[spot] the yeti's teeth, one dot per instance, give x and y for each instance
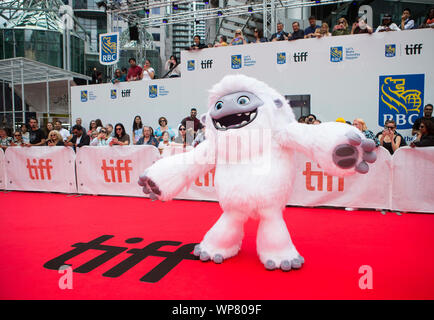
(247, 113)
(239, 114)
(244, 123)
(252, 116)
(218, 125)
(223, 127)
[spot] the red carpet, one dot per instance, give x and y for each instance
(35, 228)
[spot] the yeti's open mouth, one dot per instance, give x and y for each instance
(235, 121)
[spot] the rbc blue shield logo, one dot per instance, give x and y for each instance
(336, 54)
(113, 94)
(236, 61)
(401, 99)
(390, 50)
(281, 58)
(153, 91)
(190, 65)
(109, 48)
(83, 95)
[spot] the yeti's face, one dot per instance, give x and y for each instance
(235, 110)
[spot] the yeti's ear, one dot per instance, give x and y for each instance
(203, 118)
(278, 103)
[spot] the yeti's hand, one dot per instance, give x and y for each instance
(149, 186)
(346, 156)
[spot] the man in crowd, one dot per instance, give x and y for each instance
(79, 138)
(280, 34)
(297, 32)
(36, 135)
(134, 73)
(406, 22)
(192, 121)
(63, 132)
(196, 44)
(312, 26)
(427, 114)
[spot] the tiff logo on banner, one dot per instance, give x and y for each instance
(206, 64)
(112, 171)
(126, 93)
(300, 56)
(320, 180)
(39, 169)
(413, 49)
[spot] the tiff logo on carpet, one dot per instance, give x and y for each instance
(309, 173)
(113, 172)
(135, 256)
(39, 169)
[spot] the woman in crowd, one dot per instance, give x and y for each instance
(185, 137)
(109, 128)
(18, 139)
(223, 42)
(259, 36)
(121, 138)
(172, 66)
(165, 142)
(25, 133)
(389, 138)
(148, 73)
(5, 141)
(199, 138)
(238, 38)
(99, 125)
(92, 127)
(320, 32)
(361, 125)
(137, 129)
(54, 139)
(103, 139)
(164, 127)
(387, 24)
(341, 28)
(426, 134)
(119, 77)
(48, 128)
(148, 137)
(428, 22)
(360, 26)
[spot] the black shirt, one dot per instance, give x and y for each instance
(278, 35)
(297, 35)
(36, 136)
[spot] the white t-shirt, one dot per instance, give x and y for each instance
(64, 133)
(146, 75)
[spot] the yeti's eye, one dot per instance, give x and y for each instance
(218, 105)
(243, 100)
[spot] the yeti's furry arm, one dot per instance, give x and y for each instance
(338, 148)
(170, 175)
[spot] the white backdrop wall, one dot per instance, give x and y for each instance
(345, 86)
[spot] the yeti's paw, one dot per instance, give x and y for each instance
(286, 263)
(149, 187)
(357, 153)
(207, 254)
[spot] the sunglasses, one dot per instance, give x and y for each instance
(118, 129)
(17, 135)
(422, 126)
(390, 127)
(103, 131)
(181, 129)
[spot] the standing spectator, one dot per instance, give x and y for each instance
(280, 34)
(36, 135)
(121, 138)
(165, 141)
(310, 118)
(223, 42)
(92, 127)
(109, 128)
(63, 132)
(197, 44)
(341, 28)
(192, 121)
(427, 114)
(259, 36)
(134, 72)
(48, 128)
(119, 77)
(428, 22)
(389, 138)
(25, 133)
(172, 67)
(387, 24)
(361, 125)
(102, 139)
(164, 127)
(79, 138)
(297, 33)
(78, 121)
(148, 73)
(360, 26)
(425, 136)
(18, 139)
(238, 38)
(312, 27)
(5, 141)
(185, 137)
(406, 22)
(137, 129)
(147, 138)
(323, 31)
(55, 139)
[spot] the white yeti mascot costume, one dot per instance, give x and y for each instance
(248, 116)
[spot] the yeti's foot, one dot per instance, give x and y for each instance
(206, 253)
(346, 156)
(285, 262)
(149, 187)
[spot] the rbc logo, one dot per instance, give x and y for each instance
(400, 99)
(190, 65)
(390, 50)
(109, 49)
(281, 58)
(153, 91)
(336, 54)
(236, 61)
(113, 94)
(83, 95)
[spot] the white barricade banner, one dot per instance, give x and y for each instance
(2, 170)
(40, 169)
(113, 170)
(313, 187)
(413, 175)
